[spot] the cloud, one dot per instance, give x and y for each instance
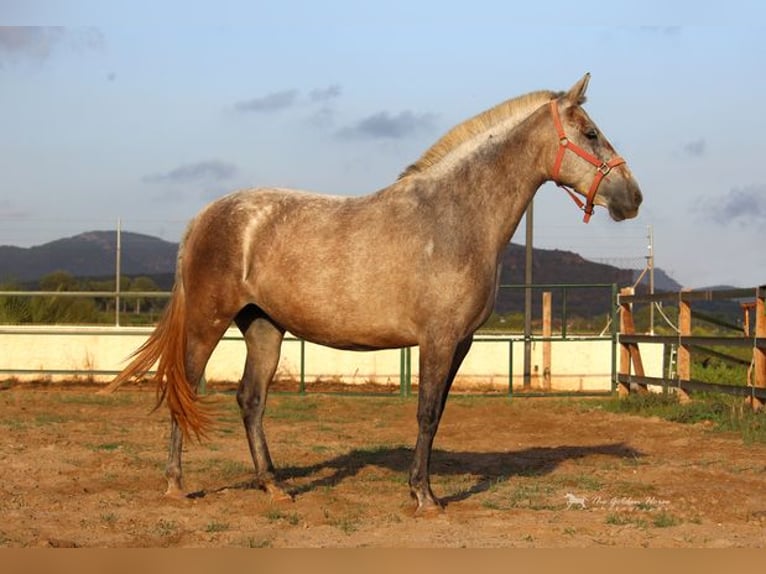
(29, 41)
(269, 103)
(741, 205)
(37, 43)
(695, 148)
(199, 172)
(284, 99)
(320, 95)
(384, 125)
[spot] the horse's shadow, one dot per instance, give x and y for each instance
(489, 468)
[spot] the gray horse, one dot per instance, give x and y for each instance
(416, 263)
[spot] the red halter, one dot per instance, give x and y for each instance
(602, 167)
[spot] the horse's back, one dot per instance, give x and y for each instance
(351, 272)
(318, 265)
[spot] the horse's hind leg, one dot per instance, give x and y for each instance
(264, 341)
(173, 472)
(200, 345)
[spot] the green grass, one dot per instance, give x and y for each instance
(530, 494)
(217, 527)
(109, 518)
(97, 400)
(623, 519)
(108, 446)
(165, 528)
(578, 481)
(294, 409)
(665, 520)
(721, 412)
(291, 518)
(46, 419)
(346, 524)
(223, 468)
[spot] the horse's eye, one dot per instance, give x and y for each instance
(591, 134)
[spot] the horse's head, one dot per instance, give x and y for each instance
(587, 162)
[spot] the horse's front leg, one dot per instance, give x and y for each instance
(173, 472)
(428, 422)
(438, 367)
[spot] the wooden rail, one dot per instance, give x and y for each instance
(631, 378)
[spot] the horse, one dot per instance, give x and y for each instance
(415, 263)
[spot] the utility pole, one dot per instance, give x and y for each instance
(650, 266)
(528, 299)
(117, 274)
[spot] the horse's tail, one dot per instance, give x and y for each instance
(166, 346)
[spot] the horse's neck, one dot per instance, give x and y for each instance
(496, 182)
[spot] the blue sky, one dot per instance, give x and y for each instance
(145, 112)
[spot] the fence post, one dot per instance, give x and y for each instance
(759, 353)
(615, 334)
(402, 383)
(547, 331)
(510, 367)
(626, 318)
(405, 371)
(408, 369)
(683, 358)
(629, 352)
(302, 379)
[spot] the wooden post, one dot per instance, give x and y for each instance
(684, 363)
(746, 307)
(629, 352)
(759, 354)
(626, 322)
(547, 341)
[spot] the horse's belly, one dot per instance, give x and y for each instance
(353, 336)
(365, 327)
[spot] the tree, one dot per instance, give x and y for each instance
(53, 309)
(143, 284)
(13, 309)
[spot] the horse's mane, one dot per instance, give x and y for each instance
(514, 109)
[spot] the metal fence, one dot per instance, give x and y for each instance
(514, 340)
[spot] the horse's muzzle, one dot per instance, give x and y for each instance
(624, 203)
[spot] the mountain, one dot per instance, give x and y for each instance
(555, 267)
(662, 281)
(93, 254)
(90, 254)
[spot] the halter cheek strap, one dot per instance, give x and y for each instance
(602, 167)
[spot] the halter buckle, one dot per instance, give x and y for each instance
(604, 168)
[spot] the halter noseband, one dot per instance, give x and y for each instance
(602, 167)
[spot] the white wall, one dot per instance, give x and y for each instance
(576, 365)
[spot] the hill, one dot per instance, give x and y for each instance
(554, 267)
(90, 254)
(93, 254)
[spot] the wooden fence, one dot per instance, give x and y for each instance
(630, 376)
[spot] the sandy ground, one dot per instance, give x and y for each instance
(83, 470)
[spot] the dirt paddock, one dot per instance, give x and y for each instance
(84, 470)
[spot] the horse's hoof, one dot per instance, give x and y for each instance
(278, 494)
(429, 510)
(175, 493)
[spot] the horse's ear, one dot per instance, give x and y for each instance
(576, 94)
